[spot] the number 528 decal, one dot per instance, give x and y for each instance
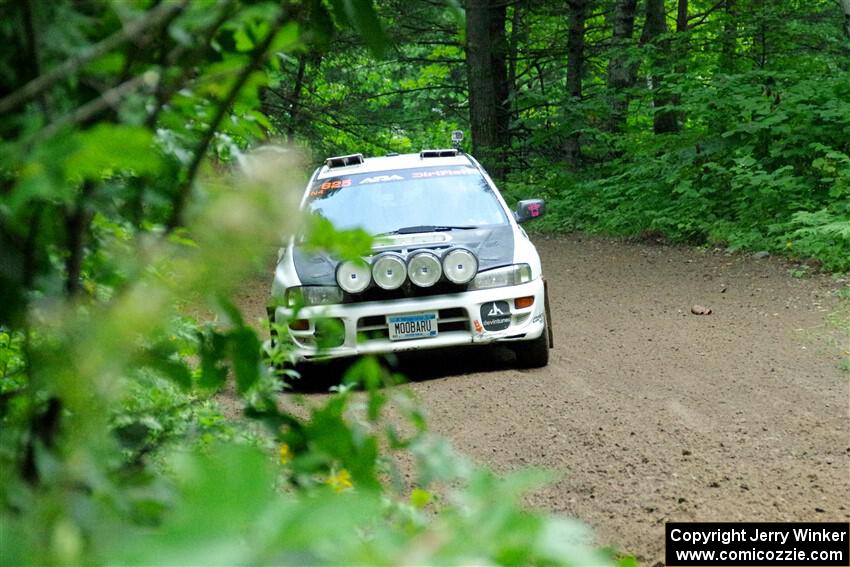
(338, 184)
(329, 186)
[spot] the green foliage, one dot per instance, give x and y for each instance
(12, 361)
(129, 432)
(345, 101)
(760, 158)
(347, 244)
(157, 416)
(760, 184)
(97, 155)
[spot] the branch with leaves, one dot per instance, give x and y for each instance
(159, 16)
(183, 191)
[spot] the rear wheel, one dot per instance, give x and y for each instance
(534, 353)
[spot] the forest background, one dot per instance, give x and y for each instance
(123, 212)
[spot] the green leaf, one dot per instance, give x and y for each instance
(230, 311)
(164, 359)
(108, 64)
(348, 244)
(287, 39)
(109, 149)
(213, 349)
(245, 355)
(244, 41)
(361, 15)
(420, 498)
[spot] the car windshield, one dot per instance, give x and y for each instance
(407, 200)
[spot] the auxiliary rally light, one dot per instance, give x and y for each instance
(460, 265)
(389, 271)
(424, 269)
(353, 276)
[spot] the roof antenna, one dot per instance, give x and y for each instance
(457, 138)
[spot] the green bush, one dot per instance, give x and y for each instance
(754, 170)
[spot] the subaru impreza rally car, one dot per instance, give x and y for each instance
(450, 265)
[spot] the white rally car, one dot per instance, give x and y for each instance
(450, 266)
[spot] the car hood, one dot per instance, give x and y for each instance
(493, 246)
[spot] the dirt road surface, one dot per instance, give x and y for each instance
(653, 414)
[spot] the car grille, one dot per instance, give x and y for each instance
(375, 326)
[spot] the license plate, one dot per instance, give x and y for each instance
(412, 326)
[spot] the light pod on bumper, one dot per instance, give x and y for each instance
(389, 271)
(460, 265)
(424, 269)
(353, 276)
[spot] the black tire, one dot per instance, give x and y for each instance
(534, 353)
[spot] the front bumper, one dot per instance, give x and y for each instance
(459, 322)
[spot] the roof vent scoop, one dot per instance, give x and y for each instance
(452, 152)
(344, 161)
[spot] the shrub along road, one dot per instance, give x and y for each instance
(650, 413)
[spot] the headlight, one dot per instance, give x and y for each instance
(353, 276)
(460, 265)
(389, 271)
(501, 277)
(313, 295)
(424, 269)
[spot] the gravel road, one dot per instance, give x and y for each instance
(653, 414)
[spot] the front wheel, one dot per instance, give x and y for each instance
(534, 353)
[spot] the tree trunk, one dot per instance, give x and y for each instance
(845, 7)
(313, 60)
(295, 99)
(31, 255)
(621, 71)
(729, 40)
(289, 105)
(681, 53)
(575, 47)
(482, 85)
(498, 58)
(761, 36)
(32, 40)
(682, 16)
(77, 226)
(655, 26)
(575, 71)
(519, 33)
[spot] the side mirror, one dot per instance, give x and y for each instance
(529, 209)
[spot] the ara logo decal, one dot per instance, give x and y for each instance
(534, 209)
(382, 179)
(496, 315)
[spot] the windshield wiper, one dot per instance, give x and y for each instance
(427, 228)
